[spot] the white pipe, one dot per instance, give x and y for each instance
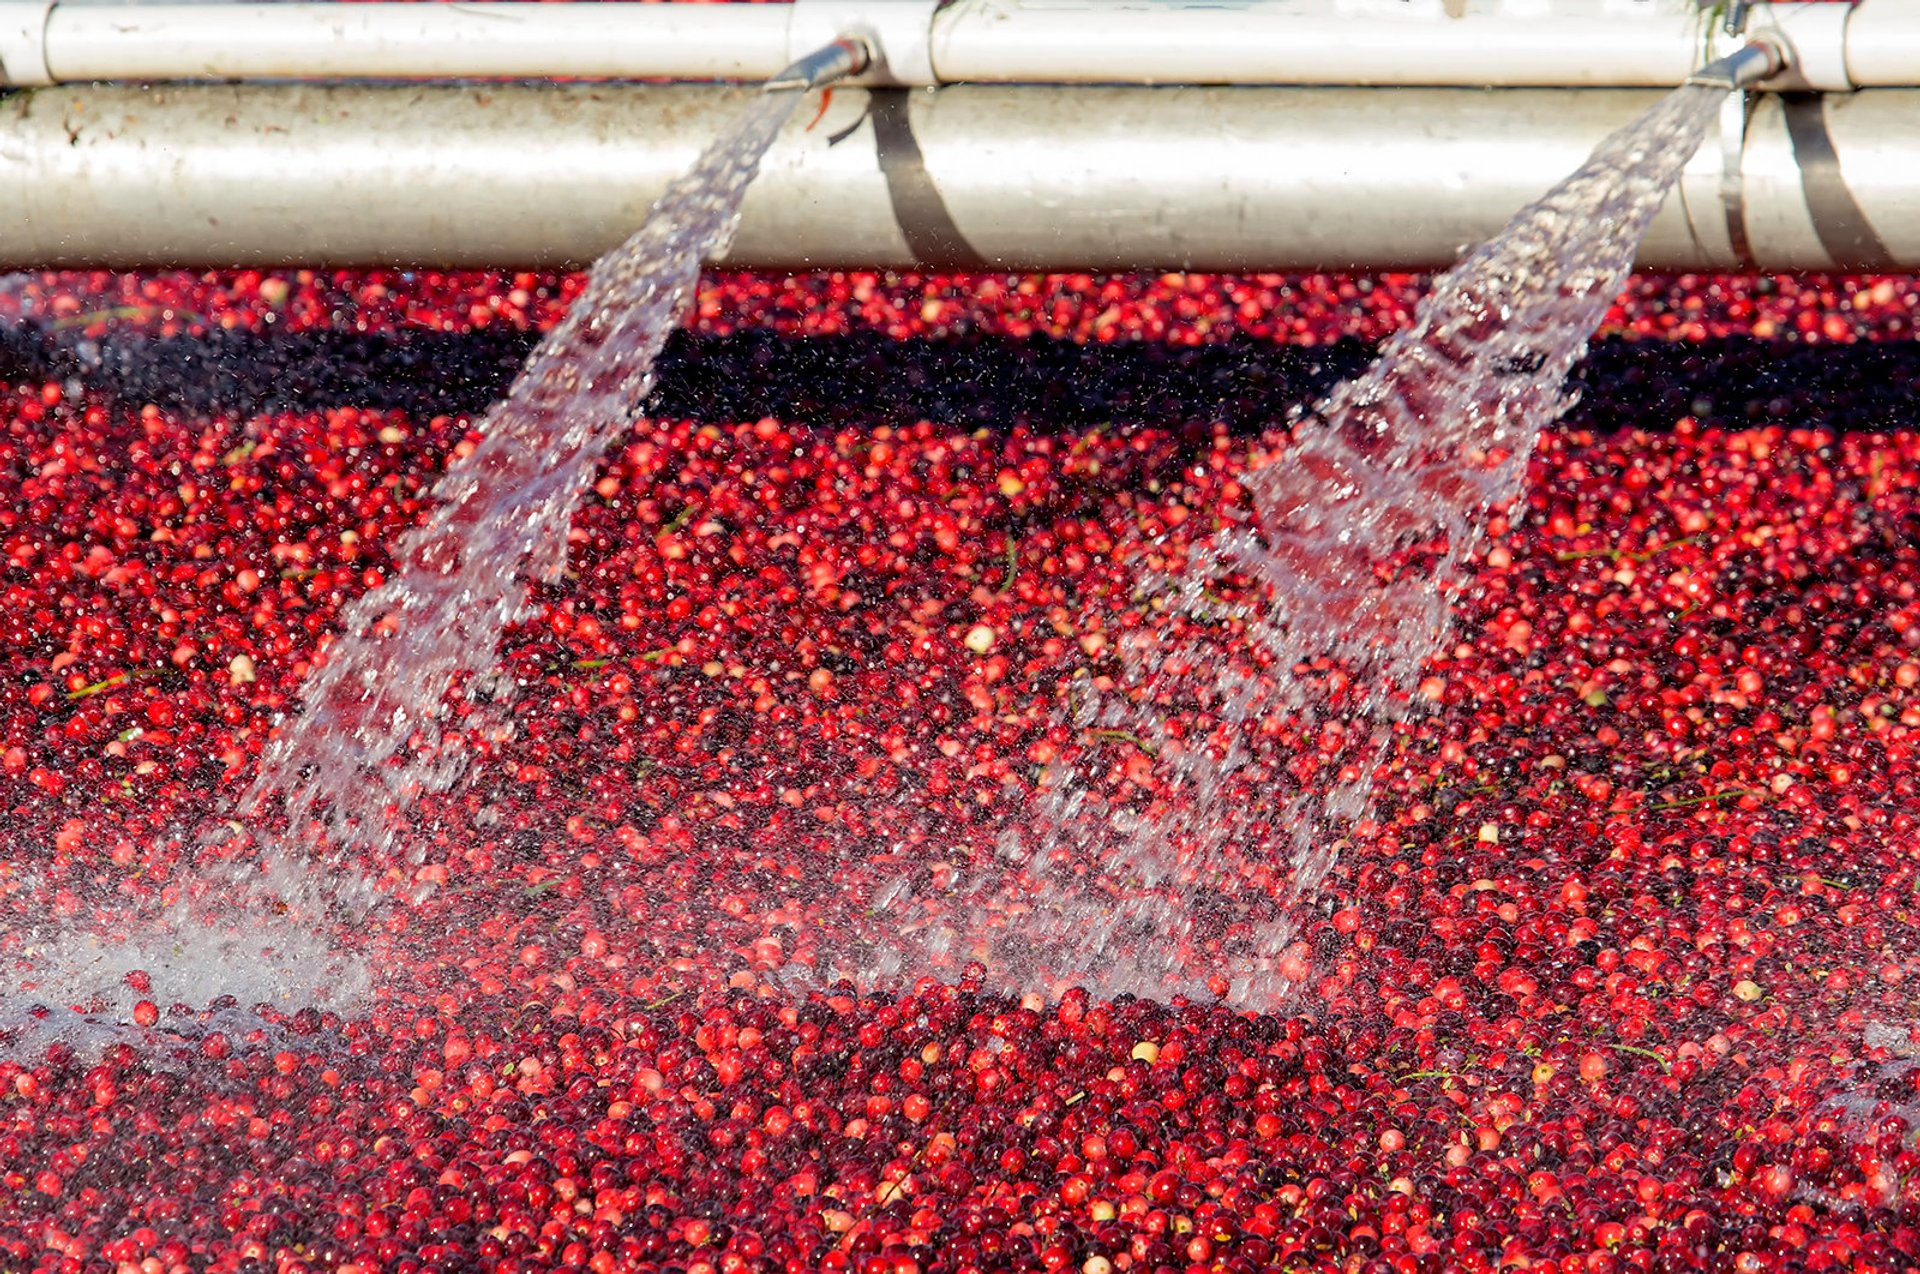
(1813, 38)
(1510, 43)
(505, 40)
(1319, 42)
(23, 42)
(898, 35)
(984, 176)
(1883, 43)
(1504, 43)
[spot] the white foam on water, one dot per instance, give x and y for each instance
(77, 979)
(262, 959)
(17, 296)
(1883, 1087)
(77, 982)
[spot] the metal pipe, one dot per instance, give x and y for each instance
(1512, 43)
(982, 176)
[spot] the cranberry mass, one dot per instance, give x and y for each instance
(1613, 978)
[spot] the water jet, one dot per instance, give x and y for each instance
(1615, 972)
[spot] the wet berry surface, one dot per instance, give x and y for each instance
(1613, 978)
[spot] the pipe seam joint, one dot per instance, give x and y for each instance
(898, 35)
(23, 42)
(1811, 42)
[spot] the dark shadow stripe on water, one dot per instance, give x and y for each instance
(865, 379)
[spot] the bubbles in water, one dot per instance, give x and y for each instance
(1218, 782)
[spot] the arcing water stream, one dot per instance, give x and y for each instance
(1348, 552)
(1665, 1023)
(334, 789)
(1278, 658)
(370, 738)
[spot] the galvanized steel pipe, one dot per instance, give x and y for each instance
(1027, 177)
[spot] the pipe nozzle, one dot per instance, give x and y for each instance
(848, 55)
(1762, 59)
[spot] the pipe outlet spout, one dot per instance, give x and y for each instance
(1748, 65)
(848, 55)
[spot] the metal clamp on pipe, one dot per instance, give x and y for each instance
(1814, 42)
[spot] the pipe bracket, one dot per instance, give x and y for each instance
(1845, 231)
(898, 36)
(1733, 178)
(1812, 40)
(23, 43)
